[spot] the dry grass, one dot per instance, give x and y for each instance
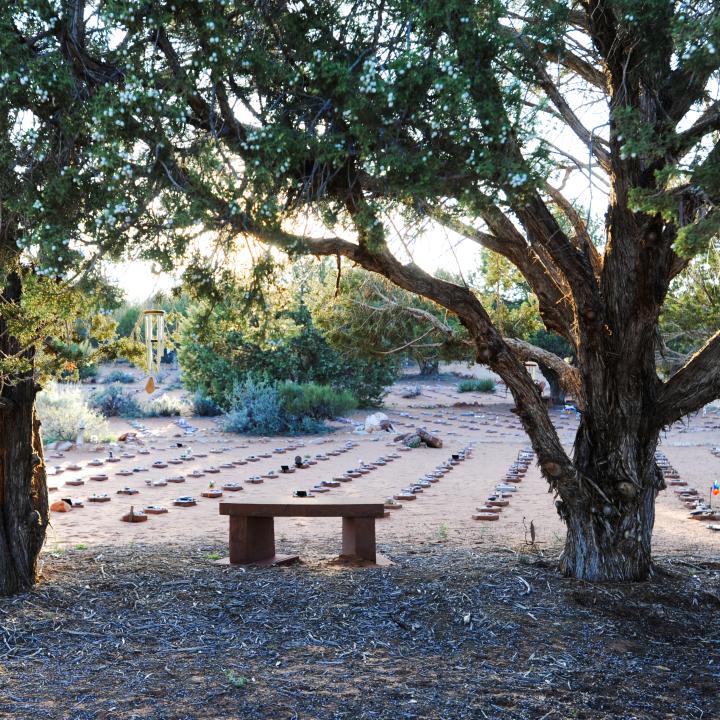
(161, 632)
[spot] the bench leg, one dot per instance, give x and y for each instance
(252, 539)
(359, 538)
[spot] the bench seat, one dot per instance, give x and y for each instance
(252, 525)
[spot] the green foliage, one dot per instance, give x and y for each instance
(88, 372)
(112, 401)
(315, 401)
(119, 376)
(692, 309)
(204, 406)
(264, 408)
(484, 385)
(64, 411)
(127, 318)
(224, 344)
(370, 318)
(237, 681)
(255, 409)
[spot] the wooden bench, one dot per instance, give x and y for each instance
(252, 526)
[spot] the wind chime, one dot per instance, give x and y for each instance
(154, 344)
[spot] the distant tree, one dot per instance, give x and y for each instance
(223, 344)
(368, 316)
(692, 310)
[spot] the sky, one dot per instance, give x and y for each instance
(434, 249)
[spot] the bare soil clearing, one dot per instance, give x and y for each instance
(441, 512)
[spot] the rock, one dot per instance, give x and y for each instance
(412, 441)
(412, 393)
(60, 506)
(66, 445)
(376, 422)
(430, 440)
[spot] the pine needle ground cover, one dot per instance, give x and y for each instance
(160, 632)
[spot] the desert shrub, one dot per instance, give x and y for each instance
(88, 372)
(314, 401)
(165, 406)
(63, 410)
(264, 408)
(119, 376)
(205, 406)
(126, 317)
(113, 402)
(256, 410)
(485, 385)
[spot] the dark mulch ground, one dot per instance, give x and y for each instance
(159, 632)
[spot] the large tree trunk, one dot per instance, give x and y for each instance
(23, 488)
(607, 497)
(611, 511)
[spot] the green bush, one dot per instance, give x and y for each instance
(63, 410)
(485, 385)
(315, 401)
(221, 348)
(264, 408)
(113, 402)
(256, 410)
(204, 406)
(119, 376)
(88, 372)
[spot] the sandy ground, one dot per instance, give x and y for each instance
(442, 513)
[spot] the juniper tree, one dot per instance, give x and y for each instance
(260, 120)
(67, 200)
(353, 113)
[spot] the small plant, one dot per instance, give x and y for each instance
(165, 406)
(443, 532)
(80, 546)
(113, 402)
(485, 385)
(213, 556)
(64, 412)
(237, 681)
(119, 376)
(204, 406)
(256, 410)
(88, 372)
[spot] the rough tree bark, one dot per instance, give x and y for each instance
(23, 487)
